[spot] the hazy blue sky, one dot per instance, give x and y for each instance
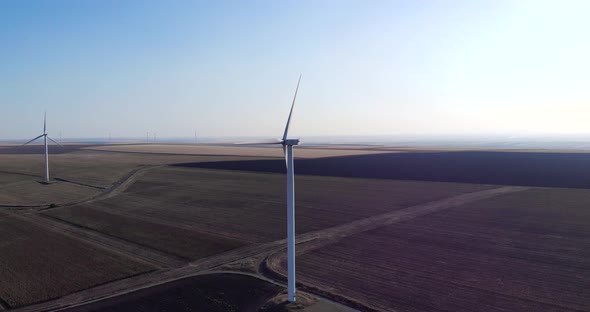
(230, 68)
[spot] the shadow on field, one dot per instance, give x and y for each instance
(211, 292)
(502, 168)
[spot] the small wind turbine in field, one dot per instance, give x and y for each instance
(45, 136)
(288, 152)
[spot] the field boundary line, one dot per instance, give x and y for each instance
(392, 217)
(130, 250)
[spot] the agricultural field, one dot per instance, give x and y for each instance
(242, 207)
(183, 242)
(229, 150)
(38, 264)
(31, 193)
(77, 174)
(525, 251)
(383, 231)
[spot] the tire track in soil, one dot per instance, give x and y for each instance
(115, 189)
(271, 265)
(306, 242)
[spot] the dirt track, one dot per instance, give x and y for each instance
(248, 254)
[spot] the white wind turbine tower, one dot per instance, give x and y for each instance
(288, 152)
(45, 137)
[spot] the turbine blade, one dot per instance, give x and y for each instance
(45, 123)
(55, 142)
(291, 111)
(32, 140)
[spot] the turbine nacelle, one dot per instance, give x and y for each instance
(290, 142)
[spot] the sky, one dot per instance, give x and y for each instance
(229, 68)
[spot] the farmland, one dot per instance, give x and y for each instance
(525, 251)
(38, 264)
(81, 174)
(394, 231)
(243, 206)
(546, 169)
(28, 193)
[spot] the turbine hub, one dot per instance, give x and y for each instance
(291, 142)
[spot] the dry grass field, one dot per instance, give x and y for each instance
(526, 251)
(38, 264)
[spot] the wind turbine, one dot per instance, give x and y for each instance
(288, 152)
(45, 137)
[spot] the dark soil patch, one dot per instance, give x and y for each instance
(570, 170)
(206, 293)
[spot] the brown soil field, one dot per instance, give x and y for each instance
(236, 150)
(7, 179)
(37, 264)
(524, 251)
(77, 174)
(95, 168)
(244, 206)
(31, 192)
(186, 243)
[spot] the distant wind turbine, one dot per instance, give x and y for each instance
(288, 152)
(45, 137)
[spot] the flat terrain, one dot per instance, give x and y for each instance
(547, 169)
(79, 174)
(411, 231)
(525, 251)
(30, 193)
(232, 208)
(38, 264)
(229, 150)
